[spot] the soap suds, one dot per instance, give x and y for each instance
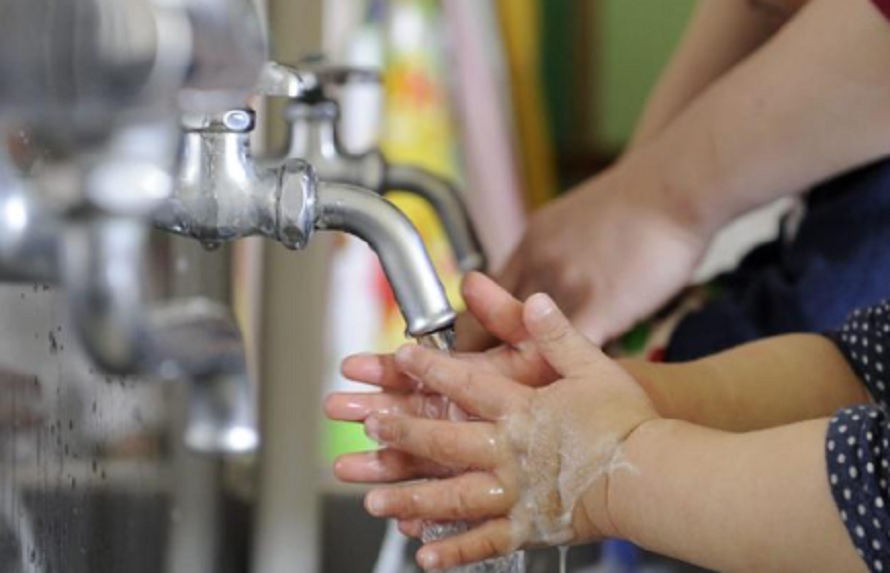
(556, 470)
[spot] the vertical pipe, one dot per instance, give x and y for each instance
(287, 532)
(195, 534)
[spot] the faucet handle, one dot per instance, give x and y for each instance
(230, 121)
(277, 80)
(318, 74)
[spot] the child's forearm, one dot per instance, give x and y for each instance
(763, 384)
(731, 502)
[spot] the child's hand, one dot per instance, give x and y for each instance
(518, 359)
(534, 463)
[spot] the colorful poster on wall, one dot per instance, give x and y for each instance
(417, 128)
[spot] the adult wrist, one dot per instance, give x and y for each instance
(680, 191)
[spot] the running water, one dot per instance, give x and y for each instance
(563, 558)
(513, 563)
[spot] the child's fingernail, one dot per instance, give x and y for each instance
(372, 428)
(540, 305)
(428, 559)
(375, 504)
(364, 366)
(357, 408)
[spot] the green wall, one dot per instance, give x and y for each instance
(638, 37)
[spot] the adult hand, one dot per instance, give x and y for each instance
(610, 253)
(533, 463)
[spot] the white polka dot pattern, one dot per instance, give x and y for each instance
(857, 446)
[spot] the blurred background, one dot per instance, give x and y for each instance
(517, 100)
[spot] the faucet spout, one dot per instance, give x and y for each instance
(103, 263)
(223, 193)
(391, 235)
(314, 137)
(446, 200)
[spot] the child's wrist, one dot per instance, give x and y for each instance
(663, 384)
(629, 495)
(640, 497)
(599, 521)
(617, 525)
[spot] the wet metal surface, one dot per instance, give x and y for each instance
(83, 480)
(91, 465)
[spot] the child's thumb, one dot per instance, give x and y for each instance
(566, 349)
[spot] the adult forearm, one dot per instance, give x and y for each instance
(719, 35)
(732, 502)
(760, 385)
(810, 104)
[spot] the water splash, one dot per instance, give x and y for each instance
(514, 563)
(440, 340)
(563, 558)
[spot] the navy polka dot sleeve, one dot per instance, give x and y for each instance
(857, 446)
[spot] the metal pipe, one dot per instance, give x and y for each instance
(29, 231)
(392, 236)
(446, 200)
(314, 138)
(199, 341)
(86, 64)
(104, 259)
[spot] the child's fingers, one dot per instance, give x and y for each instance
(470, 336)
(566, 349)
(377, 370)
(499, 312)
(477, 391)
(491, 539)
(455, 445)
(467, 497)
(357, 406)
(526, 368)
(411, 527)
(381, 370)
(385, 466)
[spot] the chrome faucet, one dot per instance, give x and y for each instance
(225, 193)
(313, 117)
(95, 63)
(96, 245)
(96, 82)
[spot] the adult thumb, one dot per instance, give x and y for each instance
(562, 346)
